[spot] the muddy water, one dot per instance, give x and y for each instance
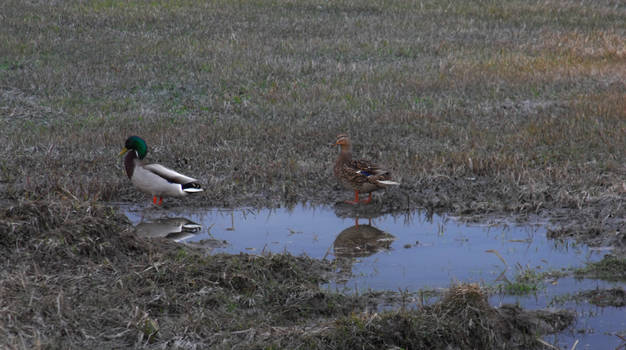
(402, 252)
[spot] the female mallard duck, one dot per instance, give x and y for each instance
(360, 241)
(361, 176)
(154, 179)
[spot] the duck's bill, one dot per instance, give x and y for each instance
(124, 150)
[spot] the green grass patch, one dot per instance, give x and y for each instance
(526, 281)
(611, 268)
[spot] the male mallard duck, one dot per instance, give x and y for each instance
(361, 176)
(154, 179)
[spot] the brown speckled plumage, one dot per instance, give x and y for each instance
(361, 176)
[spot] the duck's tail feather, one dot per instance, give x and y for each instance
(192, 227)
(192, 187)
(387, 182)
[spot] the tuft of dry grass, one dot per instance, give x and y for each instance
(462, 319)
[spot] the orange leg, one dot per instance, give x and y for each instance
(160, 200)
(356, 198)
(369, 199)
(154, 200)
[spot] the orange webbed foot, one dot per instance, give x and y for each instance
(356, 198)
(369, 199)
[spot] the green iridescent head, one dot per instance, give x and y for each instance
(135, 143)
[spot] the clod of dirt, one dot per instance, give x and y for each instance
(611, 268)
(615, 297)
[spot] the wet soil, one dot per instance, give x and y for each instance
(75, 275)
(615, 297)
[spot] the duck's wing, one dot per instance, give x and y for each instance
(367, 168)
(169, 174)
(357, 172)
(362, 171)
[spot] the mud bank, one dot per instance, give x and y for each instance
(75, 275)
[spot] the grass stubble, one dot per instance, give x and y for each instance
(479, 108)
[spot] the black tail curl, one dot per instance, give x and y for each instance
(191, 185)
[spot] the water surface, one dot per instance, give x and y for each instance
(402, 252)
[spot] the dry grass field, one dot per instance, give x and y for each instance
(479, 107)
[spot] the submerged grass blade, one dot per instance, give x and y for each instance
(493, 251)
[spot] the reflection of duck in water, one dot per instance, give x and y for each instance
(361, 241)
(176, 229)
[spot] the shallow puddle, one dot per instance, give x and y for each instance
(403, 252)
